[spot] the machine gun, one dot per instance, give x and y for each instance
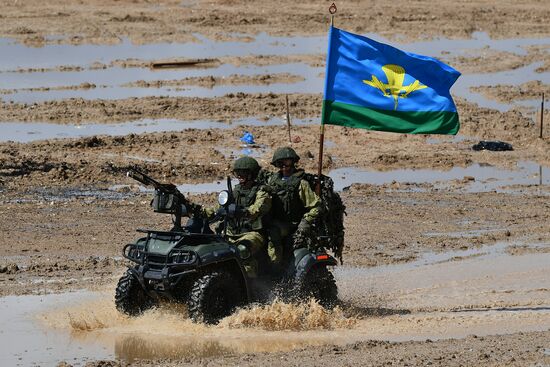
(167, 199)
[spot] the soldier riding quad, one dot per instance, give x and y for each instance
(195, 266)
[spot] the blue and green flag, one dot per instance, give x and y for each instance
(375, 86)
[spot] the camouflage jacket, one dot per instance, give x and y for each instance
(257, 203)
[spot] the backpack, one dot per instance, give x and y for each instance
(330, 224)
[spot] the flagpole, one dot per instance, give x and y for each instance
(320, 168)
(332, 11)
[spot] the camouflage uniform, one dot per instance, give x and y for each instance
(295, 205)
(247, 232)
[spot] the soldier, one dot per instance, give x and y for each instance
(295, 205)
(247, 230)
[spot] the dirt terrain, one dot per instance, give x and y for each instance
(507, 93)
(146, 22)
(444, 271)
(517, 350)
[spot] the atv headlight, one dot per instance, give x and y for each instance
(223, 197)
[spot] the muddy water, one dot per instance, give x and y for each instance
(482, 178)
(445, 295)
(25, 132)
(113, 76)
(110, 81)
(487, 277)
(518, 76)
(50, 56)
(30, 344)
(78, 326)
(310, 83)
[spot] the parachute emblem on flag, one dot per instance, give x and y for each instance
(395, 75)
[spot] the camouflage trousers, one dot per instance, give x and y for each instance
(253, 243)
(278, 233)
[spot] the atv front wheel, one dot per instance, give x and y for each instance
(319, 283)
(130, 297)
(214, 296)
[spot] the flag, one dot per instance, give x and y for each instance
(371, 85)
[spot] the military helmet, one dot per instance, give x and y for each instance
(246, 164)
(285, 153)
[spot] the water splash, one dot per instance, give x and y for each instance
(288, 316)
(172, 319)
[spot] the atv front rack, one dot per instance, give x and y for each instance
(175, 257)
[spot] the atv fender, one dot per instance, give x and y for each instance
(304, 260)
(228, 256)
(138, 274)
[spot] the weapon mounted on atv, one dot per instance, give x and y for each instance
(167, 199)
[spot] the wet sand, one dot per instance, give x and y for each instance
(446, 259)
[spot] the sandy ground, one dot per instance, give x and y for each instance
(507, 93)
(65, 224)
(518, 350)
(145, 21)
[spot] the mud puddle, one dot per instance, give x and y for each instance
(475, 178)
(112, 80)
(472, 179)
(485, 278)
(110, 83)
(25, 132)
(84, 195)
(439, 139)
(198, 188)
(81, 326)
(116, 76)
(30, 344)
(51, 56)
(515, 77)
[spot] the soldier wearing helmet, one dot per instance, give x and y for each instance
(295, 205)
(247, 231)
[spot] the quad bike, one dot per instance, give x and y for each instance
(197, 267)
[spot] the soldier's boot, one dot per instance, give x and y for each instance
(250, 264)
(275, 254)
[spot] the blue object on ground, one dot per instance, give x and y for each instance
(247, 138)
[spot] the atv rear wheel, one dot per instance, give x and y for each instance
(319, 283)
(214, 296)
(130, 297)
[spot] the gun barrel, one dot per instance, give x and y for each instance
(163, 188)
(143, 178)
(149, 181)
